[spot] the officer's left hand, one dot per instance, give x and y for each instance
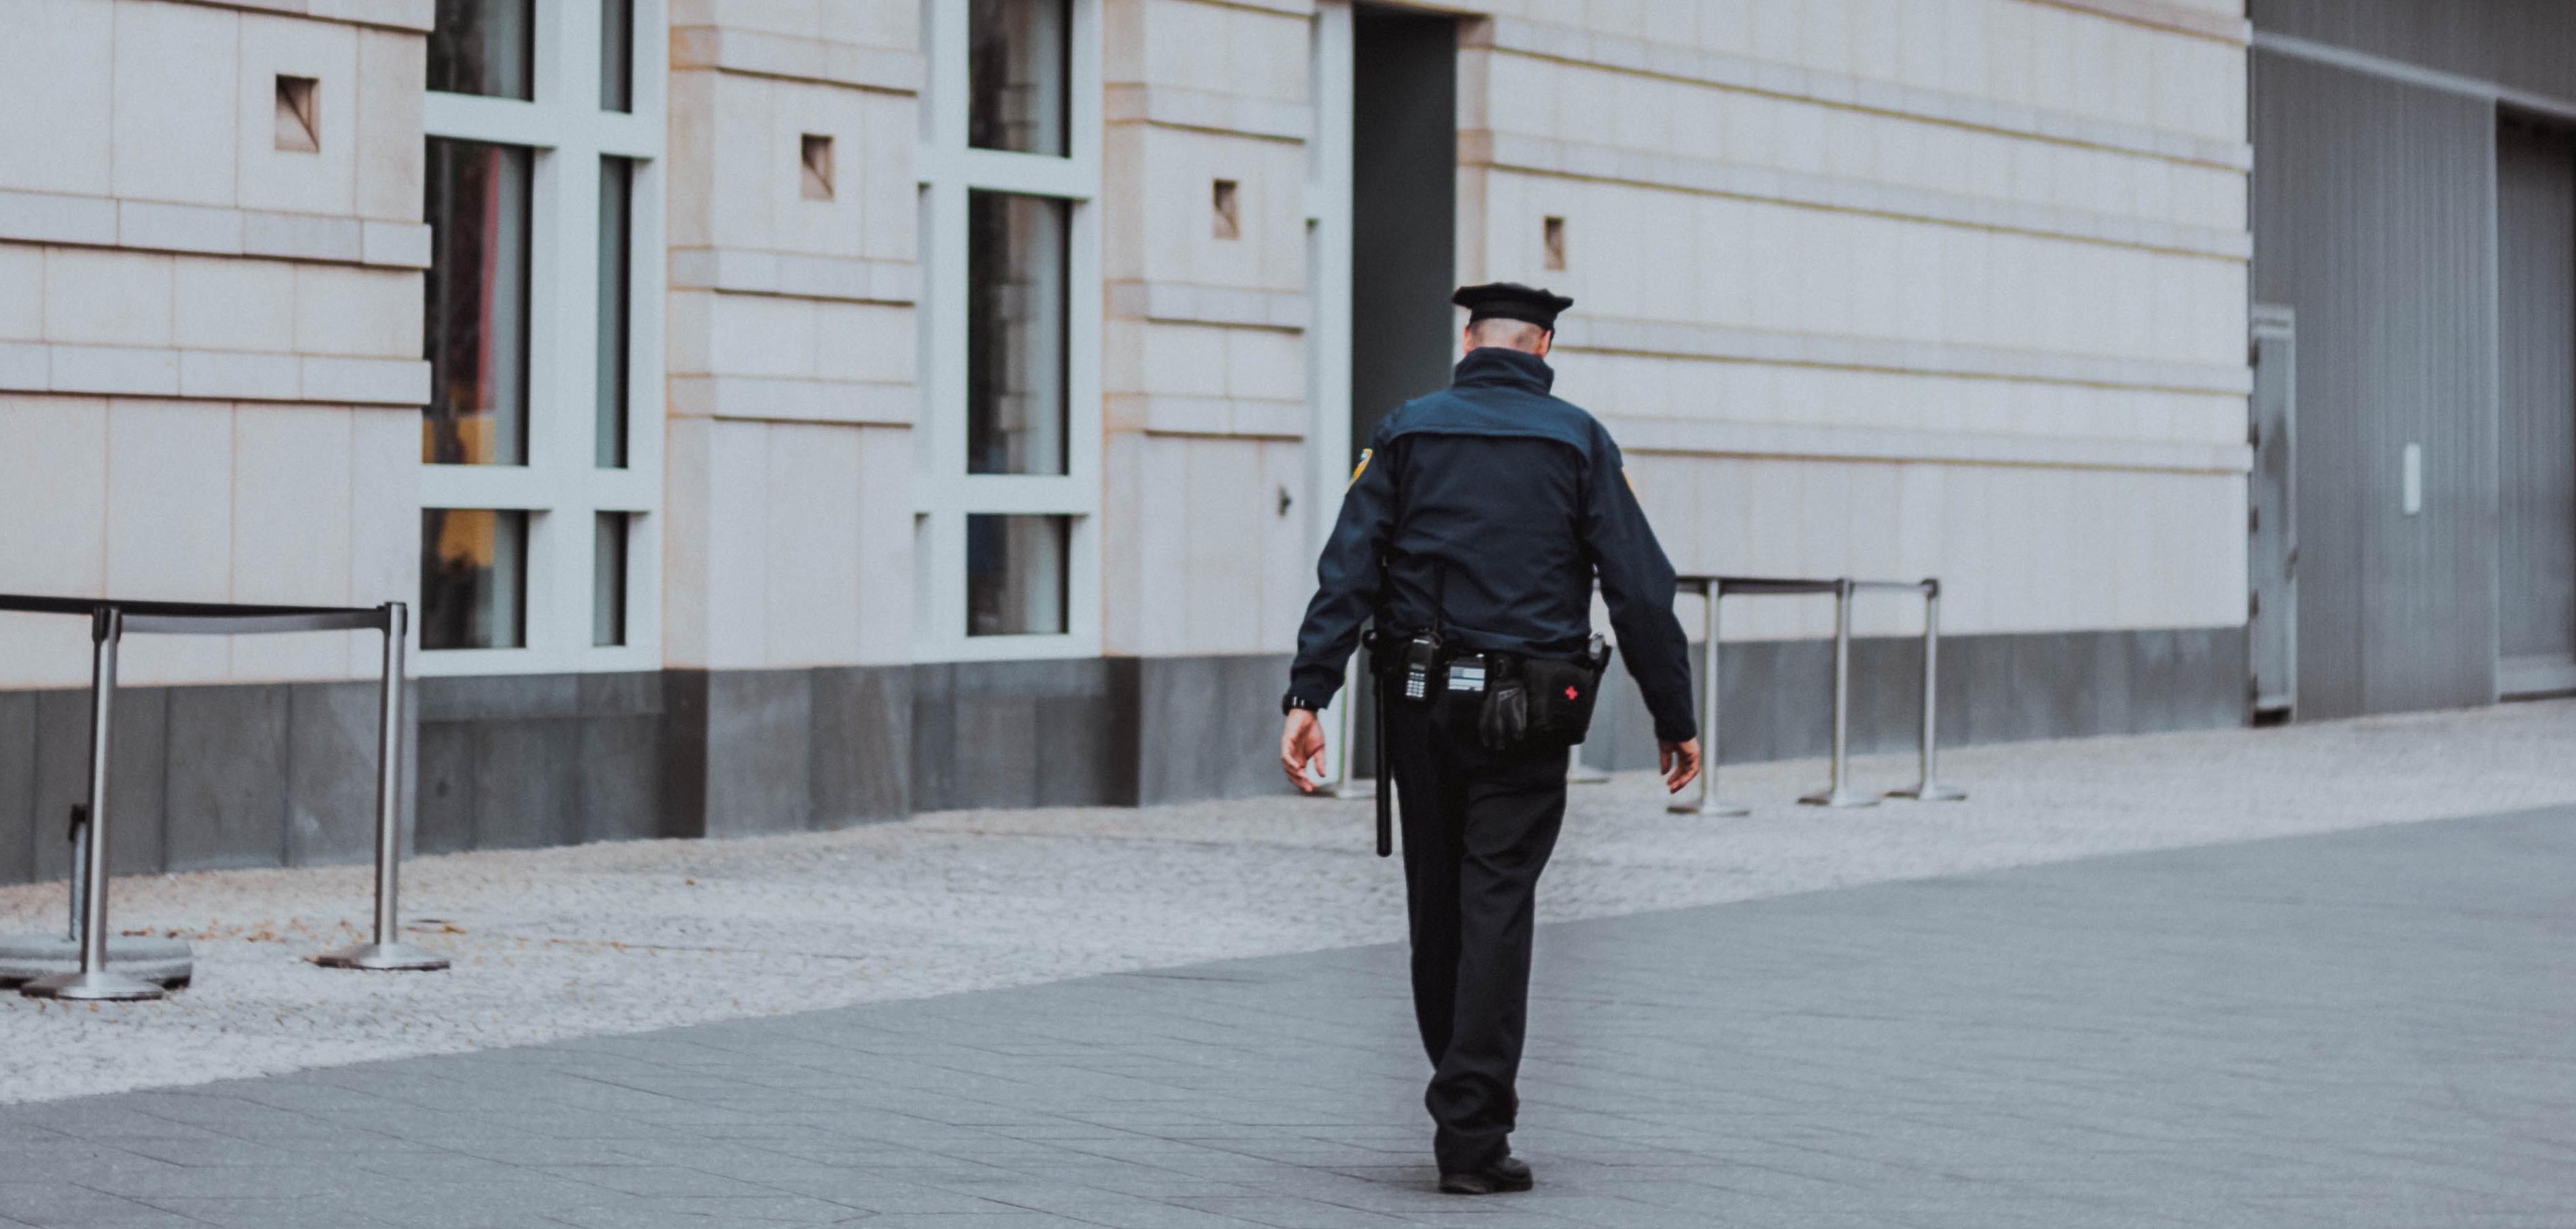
(1679, 763)
(1301, 745)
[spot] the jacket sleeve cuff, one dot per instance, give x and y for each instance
(1315, 685)
(1681, 731)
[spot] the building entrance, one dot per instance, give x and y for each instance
(1404, 229)
(2536, 442)
(2272, 520)
(1404, 210)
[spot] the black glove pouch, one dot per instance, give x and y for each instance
(1539, 702)
(1562, 693)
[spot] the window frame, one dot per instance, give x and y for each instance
(944, 493)
(559, 486)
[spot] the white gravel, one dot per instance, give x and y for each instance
(619, 938)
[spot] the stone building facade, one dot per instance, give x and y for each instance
(790, 413)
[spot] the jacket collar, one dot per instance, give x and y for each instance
(1504, 366)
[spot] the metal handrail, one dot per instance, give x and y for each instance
(110, 620)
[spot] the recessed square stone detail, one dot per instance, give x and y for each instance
(299, 116)
(817, 155)
(1229, 222)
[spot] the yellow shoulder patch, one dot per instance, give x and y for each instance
(1360, 468)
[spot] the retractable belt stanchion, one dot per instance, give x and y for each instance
(1929, 787)
(1707, 802)
(139, 962)
(1840, 793)
(388, 952)
(94, 981)
(1346, 782)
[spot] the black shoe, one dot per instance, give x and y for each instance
(1507, 1174)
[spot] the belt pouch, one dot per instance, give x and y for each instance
(1562, 694)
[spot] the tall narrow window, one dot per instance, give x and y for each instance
(542, 323)
(473, 578)
(1020, 53)
(486, 47)
(616, 55)
(608, 579)
(1016, 574)
(616, 294)
(1016, 403)
(1008, 450)
(475, 317)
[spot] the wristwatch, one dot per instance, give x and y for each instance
(1292, 702)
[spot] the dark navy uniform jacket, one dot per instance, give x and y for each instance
(1502, 503)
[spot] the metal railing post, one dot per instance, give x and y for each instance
(80, 875)
(94, 981)
(388, 952)
(1928, 787)
(1840, 794)
(1708, 803)
(1341, 750)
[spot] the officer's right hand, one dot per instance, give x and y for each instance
(1679, 762)
(1301, 745)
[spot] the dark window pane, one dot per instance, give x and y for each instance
(616, 55)
(476, 315)
(616, 285)
(1015, 574)
(1016, 399)
(484, 47)
(608, 579)
(473, 579)
(1020, 74)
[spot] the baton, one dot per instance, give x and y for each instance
(1385, 776)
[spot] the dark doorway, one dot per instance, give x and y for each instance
(1404, 209)
(2272, 519)
(1404, 231)
(2536, 453)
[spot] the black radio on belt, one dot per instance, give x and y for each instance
(1421, 662)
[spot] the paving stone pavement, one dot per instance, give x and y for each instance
(629, 937)
(2359, 1029)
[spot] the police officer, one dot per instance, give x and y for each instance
(1473, 530)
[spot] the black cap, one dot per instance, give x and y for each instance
(1511, 301)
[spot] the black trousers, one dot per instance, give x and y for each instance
(1478, 827)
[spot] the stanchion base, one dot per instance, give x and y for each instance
(1365, 787)
(26, 958)
(104, 986)
(1709, 807)
(383, 957)
(1933, 791)
(1840, 798)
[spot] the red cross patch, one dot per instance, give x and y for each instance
(1570, 693)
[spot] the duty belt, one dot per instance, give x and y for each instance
(1466, 674)
(1460, 671)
